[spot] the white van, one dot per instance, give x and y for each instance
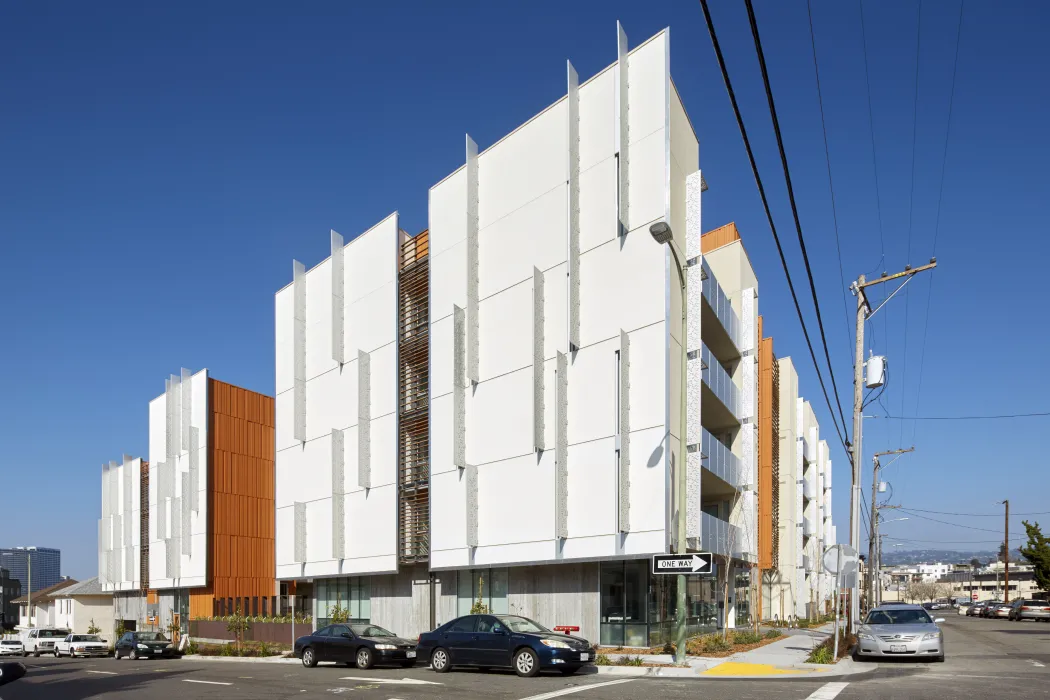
(42, 641)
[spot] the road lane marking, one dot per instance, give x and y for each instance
(188, 680)
(405, 681)
(577, 689)
(828, 691)
(103, 673)
(1036, 663)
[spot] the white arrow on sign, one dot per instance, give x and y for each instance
(403, 681)
(699, 563)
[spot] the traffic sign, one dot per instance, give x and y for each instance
(699, 563)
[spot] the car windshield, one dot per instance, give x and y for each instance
(52, 634)
(521, 624)
(85, 638)
(150, 637)
(371, 631)
(897, 617)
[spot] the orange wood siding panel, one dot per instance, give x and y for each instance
(716, 238)
(241, 509)
(765, 451)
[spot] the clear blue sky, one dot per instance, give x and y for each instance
(161, 165)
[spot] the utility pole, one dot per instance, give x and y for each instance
(873, 533)
(864, 312)
(1006, 558)
(29, 591)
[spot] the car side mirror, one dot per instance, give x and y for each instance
(499, 630)
(939, 620)
(345, 635)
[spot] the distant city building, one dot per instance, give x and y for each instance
(10, 589)
(46, 566)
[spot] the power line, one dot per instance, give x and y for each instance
(999, 541)
(977, 515)
(996, 417)
(945, 522)
(769, 216)
(937, 224)
(791, 198)
(831, 181)
(911, 209)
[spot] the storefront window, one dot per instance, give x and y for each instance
(742, 584)
(351, 594)
(488, 585)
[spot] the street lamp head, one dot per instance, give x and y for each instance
(661, 232)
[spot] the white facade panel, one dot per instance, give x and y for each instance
(178, 563)
(598, 204)
(499, 418)
(508, 321)
(334, 402)
(592, 487)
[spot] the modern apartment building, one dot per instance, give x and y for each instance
(189, 533)
(492, 409)
(10, 589)
(42, 563)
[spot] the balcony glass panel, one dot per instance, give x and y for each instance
(721, 305)
(721, 461)
(719, 381)
(808, 489)
(719, 536)
(808, 528)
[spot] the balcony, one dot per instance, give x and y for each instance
(720, 323)
(719, 383)
(721, 461)
(809, 528)
(807, 563)
(827, 478)
(720, 537)
(809, 450)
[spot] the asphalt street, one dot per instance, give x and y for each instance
(986, 659)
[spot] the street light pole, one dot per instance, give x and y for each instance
(661, 232)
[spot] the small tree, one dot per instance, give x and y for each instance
(237, 625)
(479, 607)
(339, 613)
(1037, 552)
(173, 628)
(93, 628)
(119, 631)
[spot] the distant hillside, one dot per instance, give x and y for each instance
(946, 556)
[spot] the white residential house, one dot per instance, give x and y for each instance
(82, 605)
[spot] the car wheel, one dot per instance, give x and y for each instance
(36, 654)
(526, 664)
(440, 661)
(116, 655)
(364, 658)
(133, 654)
(309, 658)
(58, 654)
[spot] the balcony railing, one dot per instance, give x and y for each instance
(807, 562)
(720, 537)
(721, 461)
(808, 490)
(719, 381)
(809, 450)
(721, 305)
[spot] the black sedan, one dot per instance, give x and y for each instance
(503, 640)
(143, 645)
(362, 645)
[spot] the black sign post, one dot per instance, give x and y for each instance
(701, 563)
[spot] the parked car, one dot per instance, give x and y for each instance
(143, 645)
(988, 605)
(362, 644)
(485, 641)
(1028, 609)
(999, 610)
(900, 631)
(11, 647)
(75, 645)
(977, 608)
(964, 608)
(11, 671)
(42, 640)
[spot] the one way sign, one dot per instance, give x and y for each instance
(699, 563)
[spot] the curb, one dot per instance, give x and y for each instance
(844, 668)
(243, 659)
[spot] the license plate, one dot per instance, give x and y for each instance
(410, 654)
(585, 657)
(898, 648)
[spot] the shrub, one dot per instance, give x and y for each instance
(631, 660)
(773, 634)
(602, 660)
(707, 644)
(823, 654)
(192, 648)
(820, 655)
(226, 650)
(747, 637)
(669, 648)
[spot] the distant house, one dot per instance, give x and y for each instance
(42, 603)
(78, 605)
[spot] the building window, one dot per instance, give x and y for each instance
(490, 586)
(351, 594)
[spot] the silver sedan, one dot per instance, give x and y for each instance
(900, 631)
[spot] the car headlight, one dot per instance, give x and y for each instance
(141, 646)
(385, 647)
(865, 635)
(555, 644)
(931, 635)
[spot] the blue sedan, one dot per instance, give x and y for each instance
(486, 641)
